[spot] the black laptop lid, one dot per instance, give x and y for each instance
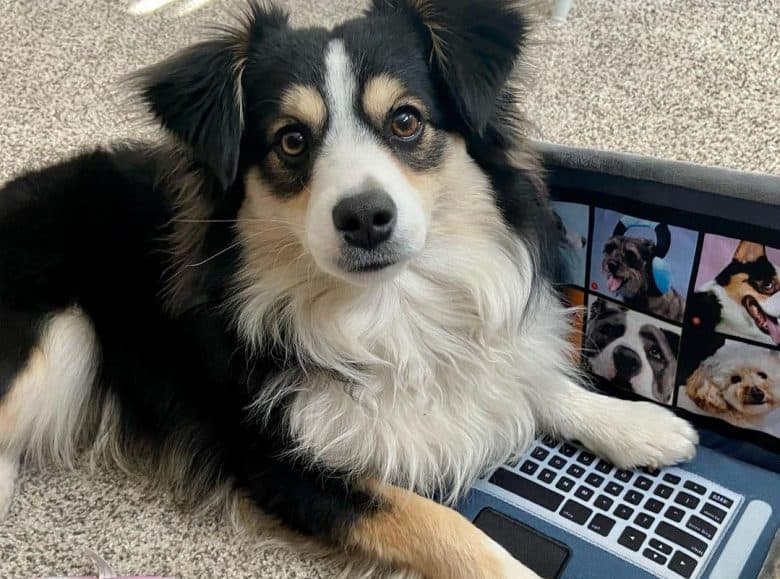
(677, 270)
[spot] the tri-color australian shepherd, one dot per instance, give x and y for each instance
(327, 290)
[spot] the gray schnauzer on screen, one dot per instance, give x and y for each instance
(637, 271)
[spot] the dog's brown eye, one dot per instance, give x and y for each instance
(655, 353)
(735, 379)
(762, 375)
(406, 123)
(292, 141)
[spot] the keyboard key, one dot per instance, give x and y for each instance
(633, 497)
(576, 512)
(529, 467)
(721, 500)
(654, 506)
(651, 471)
(539, 453)
(682, 564)
(594, 480)
(672, 478)
(624, 475)
(568, 450)
(675, 514)
(681, 538)
(654, 557)
(601, 525)
(711, 511)
(547, 476)
(604, 467)
(603, 502)
(586, 458)
(557, 462)
(686, 500)
(663, 491)
(659, 546)
(624, 512)
(584, 493)
(527, 489)
(613, 488)
(565, 484)
(695, 487)
(643, 483)
(644, 520)
(575, 471)
(701, 526)
(632, 538)
(549, 441)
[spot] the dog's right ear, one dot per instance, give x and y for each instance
(472, 47)
(748, 252)
(197, 94)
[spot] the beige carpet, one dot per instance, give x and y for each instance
(683, 79)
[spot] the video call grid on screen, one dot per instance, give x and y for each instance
(707, 347)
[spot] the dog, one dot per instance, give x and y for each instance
(571, 250)
(738, 383)
(327, 290)
(637, 272)
(628, 352)
(743, 299)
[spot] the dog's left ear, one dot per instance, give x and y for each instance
(673, 340)
(197, 94)
(473, 48)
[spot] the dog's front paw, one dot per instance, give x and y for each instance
(644, 434)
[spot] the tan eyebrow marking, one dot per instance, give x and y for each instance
(381, 94)
(304, 104)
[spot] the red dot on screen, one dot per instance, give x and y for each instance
(594, 286)
(696, 320)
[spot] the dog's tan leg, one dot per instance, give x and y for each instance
(414, 532)
(42, 409)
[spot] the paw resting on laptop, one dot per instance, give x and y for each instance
(644, 434)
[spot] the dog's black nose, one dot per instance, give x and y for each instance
(365, 220)
(755, 395)
(627, 362)
(612, 266)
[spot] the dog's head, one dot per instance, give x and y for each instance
(627, 265)
(627, 352)
(751, 281)
(342, 150)
(738, 380)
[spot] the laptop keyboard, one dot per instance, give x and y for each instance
(668, 522)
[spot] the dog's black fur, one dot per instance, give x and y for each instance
(94, 232)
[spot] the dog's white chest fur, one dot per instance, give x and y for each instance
(445, 377)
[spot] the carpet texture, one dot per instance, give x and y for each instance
(692, 80)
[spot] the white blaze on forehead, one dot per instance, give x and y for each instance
(340, 89)
(352, 158)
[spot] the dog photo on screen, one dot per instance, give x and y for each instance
(645, 264)
(738, 383)
(738, 290)
(631, 351)
(571, 221)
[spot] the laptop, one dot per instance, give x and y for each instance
(674, 269)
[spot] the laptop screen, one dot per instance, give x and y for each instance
(677, 281)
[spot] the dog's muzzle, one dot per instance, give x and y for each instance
(366, 223)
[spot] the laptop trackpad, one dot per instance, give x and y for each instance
(545, 556)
